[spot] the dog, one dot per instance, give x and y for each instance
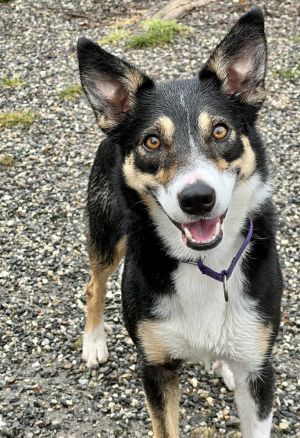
(181, 186)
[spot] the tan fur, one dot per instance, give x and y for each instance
(165, 422)
(96, 288)
(265, 333)
(205, 123)
(172, 409)
(136, 179)
(222, 164)
(167, 127)
(247, 161)
(164, 176)
(140, 180)
(155, 351)
(149, 201)
(133, 79)
(104, 122)
(157, 424)
(218, 64)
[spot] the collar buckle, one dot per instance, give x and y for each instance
(225, 286)
(224, 275)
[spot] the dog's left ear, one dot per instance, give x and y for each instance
(239, 61)
(110, 83)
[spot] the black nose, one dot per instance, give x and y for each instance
(197, 198)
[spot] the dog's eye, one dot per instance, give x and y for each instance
(220, 132)
(152, 142)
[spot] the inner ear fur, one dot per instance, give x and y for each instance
(239, 60)
(110, 83)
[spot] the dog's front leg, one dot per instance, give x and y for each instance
(254, 396)
(162, 394)
(94, 350)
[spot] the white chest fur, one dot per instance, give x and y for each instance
(199, 325)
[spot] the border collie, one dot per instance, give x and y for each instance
(181, 187)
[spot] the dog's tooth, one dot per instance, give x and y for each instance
(188, 233)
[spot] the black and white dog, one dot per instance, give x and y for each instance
(181, 186)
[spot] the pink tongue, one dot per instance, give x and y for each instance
(202, 230)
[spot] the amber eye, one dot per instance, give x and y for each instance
(152, 142)
(219, 132)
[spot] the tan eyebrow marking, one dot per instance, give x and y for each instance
(205, 122)
(167, 126)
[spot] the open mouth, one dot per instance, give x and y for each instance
(203, 233)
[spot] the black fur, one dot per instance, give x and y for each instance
(262, 389)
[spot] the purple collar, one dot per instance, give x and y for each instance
(224, 275)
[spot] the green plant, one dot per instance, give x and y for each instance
(156, 33)
(77, 344)
(6, 160)
(288, 74)
(114, 37)
(295, 38)
(16, 118)
(70, 92)
(13, 82)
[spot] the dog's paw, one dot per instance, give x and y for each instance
(222, 369)
(94, 349)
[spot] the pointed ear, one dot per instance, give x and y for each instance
(109, 83)
(239, 61)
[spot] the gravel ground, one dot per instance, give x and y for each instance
(46, 390)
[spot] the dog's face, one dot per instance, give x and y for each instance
(187, 146)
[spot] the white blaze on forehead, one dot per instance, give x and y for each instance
(182, 99)
(191, 140)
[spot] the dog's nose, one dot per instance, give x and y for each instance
(197, 198)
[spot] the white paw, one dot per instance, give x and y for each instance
(94, 349)
(222, 369)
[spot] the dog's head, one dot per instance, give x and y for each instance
(189, 147)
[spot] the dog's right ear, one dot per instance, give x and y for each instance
(110, 83)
